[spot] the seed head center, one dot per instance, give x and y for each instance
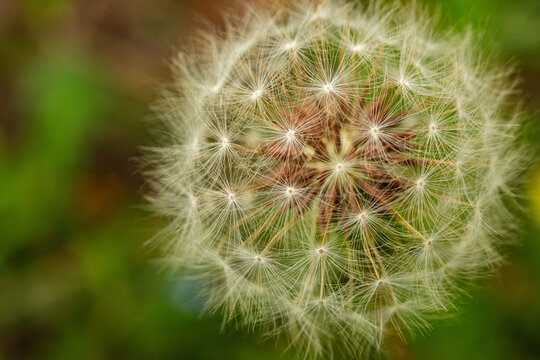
(290, 45)
(290, 134)
(328, 88)
(256, 94)
(404, 82)
(358, 47)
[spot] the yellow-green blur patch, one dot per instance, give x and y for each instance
(535, 196)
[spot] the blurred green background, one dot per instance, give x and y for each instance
(77, 281)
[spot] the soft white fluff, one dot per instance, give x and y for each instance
(334, 172)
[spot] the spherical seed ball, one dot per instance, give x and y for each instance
(334, 173)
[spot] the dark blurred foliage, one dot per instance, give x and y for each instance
(76, 279)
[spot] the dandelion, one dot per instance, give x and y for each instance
(341, 190)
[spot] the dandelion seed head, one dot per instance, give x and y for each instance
(348, 168)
